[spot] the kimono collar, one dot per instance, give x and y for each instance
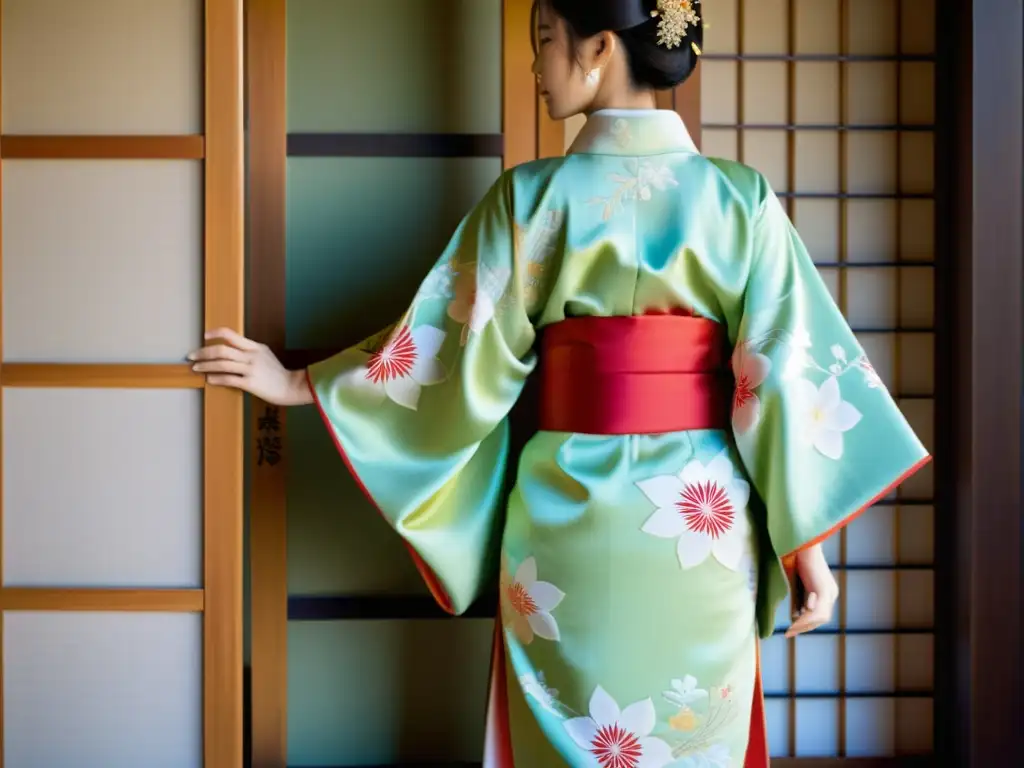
(633, 132)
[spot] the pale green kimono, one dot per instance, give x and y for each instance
(630, 638)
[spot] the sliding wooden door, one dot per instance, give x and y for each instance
(122, 182)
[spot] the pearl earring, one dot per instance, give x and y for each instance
(593, 76)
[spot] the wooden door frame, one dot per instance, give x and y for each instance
(979, 460)
(219, 598)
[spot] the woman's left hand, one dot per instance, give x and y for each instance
(235, 361)
(820, 588)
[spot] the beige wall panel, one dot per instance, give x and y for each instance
(765, 26)
(102, 488)
(109, 690)
(817, 27)
(102, 260)
(720, 26)
(102, 66)
(718, 92)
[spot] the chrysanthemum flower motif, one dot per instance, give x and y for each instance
(750, 369)
(405, 364)
(478, 290)
(614, 738)
(823, 415)
(704, 507)
(526, 603)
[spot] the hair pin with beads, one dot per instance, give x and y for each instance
(676, 17)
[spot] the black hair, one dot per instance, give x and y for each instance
(651, 65)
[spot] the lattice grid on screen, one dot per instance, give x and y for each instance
(834, 101)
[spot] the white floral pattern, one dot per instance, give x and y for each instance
(704, 508)
(538, 245)
(526, 603)
(478, 290)
(750, 369)
(404, 364)
(823, 415)
(535, 687)
(641, 180)
(614, 738)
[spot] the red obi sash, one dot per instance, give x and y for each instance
(634, 375)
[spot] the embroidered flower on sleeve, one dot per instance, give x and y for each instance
(823, 415)
(871, 377)
(526, 603)
(704, 508)
(750, 369)
(478, 290)
(404, 364)
(614, 738)
(687, 697)
(536, 688)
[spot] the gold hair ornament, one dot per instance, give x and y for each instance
(676, 17)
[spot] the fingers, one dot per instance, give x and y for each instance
(222, 366)
(815, 613)
(228, 380)
(233, 338)
(220, 352)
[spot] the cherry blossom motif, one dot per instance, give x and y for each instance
(536, 687)
(750, 369)
(714, 756)
(404, 364)
(871, 377)
(478, 289)
(824, 415)
(526, 603)
(614, 738)
(704, 507)
(685, 695)
(799, 358)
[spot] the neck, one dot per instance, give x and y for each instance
(630, 100)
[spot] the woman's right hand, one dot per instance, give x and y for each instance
(235, 361)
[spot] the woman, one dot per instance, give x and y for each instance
(646, 543)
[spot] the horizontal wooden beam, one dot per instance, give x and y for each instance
(90, 375)
(47, 599)
(102, 147)
(396, 145)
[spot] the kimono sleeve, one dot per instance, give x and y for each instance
(820, 435)
(419, 412)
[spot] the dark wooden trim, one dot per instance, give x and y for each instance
(380, 607)
(266, 59)
(862, 127)
(818, 57)
(978, 464)
(102, 147)
(396, 145)
(779, 762)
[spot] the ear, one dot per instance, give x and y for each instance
(599, 50)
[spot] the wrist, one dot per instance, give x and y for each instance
(298, 388)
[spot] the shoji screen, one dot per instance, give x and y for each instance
(121, 500)
(834, 101)
(374, 128)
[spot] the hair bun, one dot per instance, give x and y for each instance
(653, 64)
